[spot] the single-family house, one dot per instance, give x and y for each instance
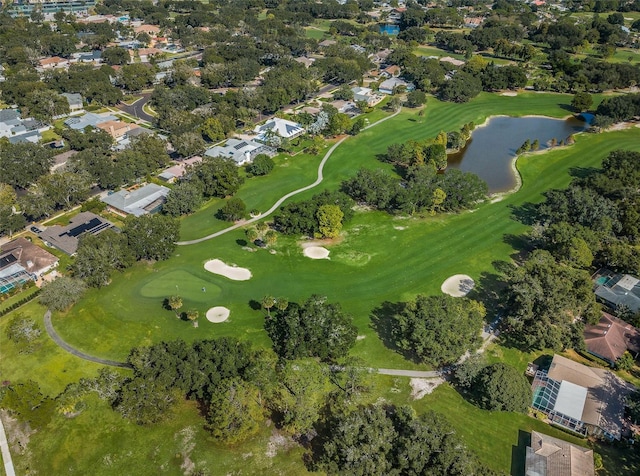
(117, 129)
(33, 259)
(305, 61)
(473, 22)
(146, 54)
(282, 127)
(242, 152)
(367, 95)
(611, 337)
(19, 130)
(60, 160)
(66, 238)
(392, 71)
(326, 43)
(618, 290)
(90, 119)
(141, 201)
(549, 456)
(74, 100)
(94, 57)
(53, 63)
(177, 170)
(583, 399)
(151, 30)
(389, 86)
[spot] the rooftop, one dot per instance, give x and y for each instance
(66, 238)
(146, 199)
(548, 456)
(32, 258)
(611, 337)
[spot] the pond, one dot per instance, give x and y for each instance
(491, 150)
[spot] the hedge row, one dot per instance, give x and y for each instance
(19, 303)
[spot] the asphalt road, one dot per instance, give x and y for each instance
(136, 110)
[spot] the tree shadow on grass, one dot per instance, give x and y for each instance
(383, 323)
(255, 305)
(525, 213)
(488, 290)
(241, 242)
(583, 172)
(519, 453)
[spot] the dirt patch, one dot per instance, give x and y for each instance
(422, 386)
(458, 285)
(18, 433)
(234, 273)
(218, 314)
(277, 442)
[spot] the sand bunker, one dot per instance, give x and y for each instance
(316, 252)
(458, 285)
(216, 266)
(218, 314)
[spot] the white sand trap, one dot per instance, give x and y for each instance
(509, 93)
(216, 266)
(316, 252)
(458, 285)
(421, 386)
(218, 314)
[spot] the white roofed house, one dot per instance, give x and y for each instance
(242, 152)
(366, 94)
(141, 201)
(586, 400)
(278, 127)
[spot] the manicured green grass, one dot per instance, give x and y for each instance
(380, 258)
(491, 435)
(49, 365)
(17, 297)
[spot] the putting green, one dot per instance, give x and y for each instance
(182, 283)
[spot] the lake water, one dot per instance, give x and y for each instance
(492, 148)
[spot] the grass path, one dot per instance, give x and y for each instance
(284, 198)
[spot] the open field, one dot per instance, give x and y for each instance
(379, 258)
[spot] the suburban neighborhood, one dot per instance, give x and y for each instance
(326, 237)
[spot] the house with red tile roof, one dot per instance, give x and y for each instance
(611, 337)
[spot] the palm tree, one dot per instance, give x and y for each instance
(268, 302)
(192, 315)
(175, 303)
(271, 237)
(282, 304)
(251, 234)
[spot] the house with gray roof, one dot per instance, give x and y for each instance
(66, 238)
(389, 85)
(141, 201)
(19, 130)
(242, 152)
(90, 119)
(281, 127)
(619, 290)
(74, 100)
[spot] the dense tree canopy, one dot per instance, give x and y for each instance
(151, 237)
(380, 440)
(437, 329)
(313, 329)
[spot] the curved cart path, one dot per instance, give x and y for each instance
(288, 195)
(58, 340)
(6, 455)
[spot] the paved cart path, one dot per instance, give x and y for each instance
(288, 195)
